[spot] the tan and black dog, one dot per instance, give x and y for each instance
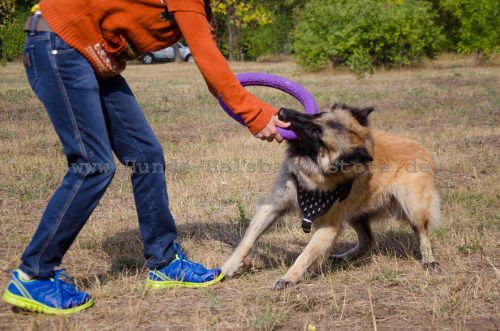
(339, 171)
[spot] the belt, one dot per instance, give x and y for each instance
(40, 24)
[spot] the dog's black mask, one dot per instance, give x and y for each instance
(309, 134)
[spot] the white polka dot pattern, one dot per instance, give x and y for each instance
(315, 203)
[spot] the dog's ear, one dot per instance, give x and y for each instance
(358, 155)
(361, 114)
(339, 105)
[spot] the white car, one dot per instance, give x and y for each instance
(167, 55)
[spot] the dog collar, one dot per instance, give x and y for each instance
(315, 203)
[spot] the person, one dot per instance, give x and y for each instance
(73, 57)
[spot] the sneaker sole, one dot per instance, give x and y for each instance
(38, 307)
(155, 284)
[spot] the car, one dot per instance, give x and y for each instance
(167, 55)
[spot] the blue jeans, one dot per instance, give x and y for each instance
(93, 118)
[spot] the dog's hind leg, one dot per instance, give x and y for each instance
(316, 250)
(276, 204)
(360, 224)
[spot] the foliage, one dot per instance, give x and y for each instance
(238, 16)
(358, 34)
(245, 12)
(7, 12)
(13, 14)
(25, 5)
(264, 39)
(362, 34)
(273, 38)
(12, 39)
(471, 25)
(248, 29)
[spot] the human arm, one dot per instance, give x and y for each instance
(257, 115)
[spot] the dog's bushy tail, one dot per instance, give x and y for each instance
(419, 209)
(435, 210)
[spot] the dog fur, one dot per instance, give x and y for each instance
(392, 176)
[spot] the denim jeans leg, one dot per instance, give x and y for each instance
(135, 145)
(66, 84)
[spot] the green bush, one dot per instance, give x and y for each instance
(471, 25)
(12, 39)
(12, 16)
(362, 34)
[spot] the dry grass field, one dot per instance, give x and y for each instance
(216, 173)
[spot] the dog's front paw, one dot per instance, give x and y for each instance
(432, 266)
(230, 267)
(282, 283)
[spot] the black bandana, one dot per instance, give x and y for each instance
(315, 203)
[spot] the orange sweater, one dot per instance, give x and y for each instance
(110, 32)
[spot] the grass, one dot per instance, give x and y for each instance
(217, 171)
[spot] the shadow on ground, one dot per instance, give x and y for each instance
(400, 244)
(126, 251)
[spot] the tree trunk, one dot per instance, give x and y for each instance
(237, 43)
(177, 53)
(230, 17)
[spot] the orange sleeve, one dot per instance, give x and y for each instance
(220, 79)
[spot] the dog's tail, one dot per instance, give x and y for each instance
(435, 210)
(423, 209)
(435, 217)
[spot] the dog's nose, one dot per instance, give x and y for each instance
(282, 115)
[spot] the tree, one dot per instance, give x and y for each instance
(275, 37)
(177, 53)
(237, 16)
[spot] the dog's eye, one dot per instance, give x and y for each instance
(317, 132)
(336, 126)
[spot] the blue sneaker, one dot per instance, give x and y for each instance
(182, 272)
(55, 296)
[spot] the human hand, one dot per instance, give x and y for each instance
(270, 133)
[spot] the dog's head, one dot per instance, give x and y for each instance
(332, 143)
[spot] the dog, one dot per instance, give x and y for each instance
(339, 171)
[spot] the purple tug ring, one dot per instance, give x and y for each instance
(277, 82)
